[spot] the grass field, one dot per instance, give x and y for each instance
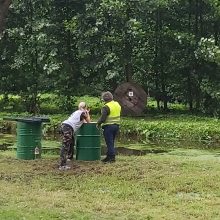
(181, 184)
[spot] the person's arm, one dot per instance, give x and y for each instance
(105, 113)
(88, 118)
(85, 116)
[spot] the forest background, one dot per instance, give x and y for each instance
(75, 47)
(54, 51)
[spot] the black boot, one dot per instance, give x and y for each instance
(109, 159)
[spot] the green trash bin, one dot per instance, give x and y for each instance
(88, 146)
(29, 134)
(29, 140)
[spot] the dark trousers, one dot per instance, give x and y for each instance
(110, 132)
(67, 149)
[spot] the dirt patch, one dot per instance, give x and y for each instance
(135, 152)
(45, 166)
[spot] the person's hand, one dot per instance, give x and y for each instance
(88, 110)
(98, 126)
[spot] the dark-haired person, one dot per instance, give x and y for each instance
(68, 129)
(109, 121)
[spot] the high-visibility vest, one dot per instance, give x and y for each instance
(115, 112)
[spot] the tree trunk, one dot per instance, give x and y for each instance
(156, 59)
(216, 31)
(198, 26)
(128, 66)
(4, 6)
(161, 65)
(189, 70)
(189, 88)
(160, 77)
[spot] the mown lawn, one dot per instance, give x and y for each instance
(181, 184)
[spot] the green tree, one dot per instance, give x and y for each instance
(4, 6)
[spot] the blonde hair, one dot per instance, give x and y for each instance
(82, 105)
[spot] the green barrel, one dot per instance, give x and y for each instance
(88, 146)
(28, 139)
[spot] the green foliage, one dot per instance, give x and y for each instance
(93, 103)
(51, 103)
(208, 50)
(73, 48)
(11, 103)
(172, 128)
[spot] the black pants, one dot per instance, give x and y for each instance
(110, 132)
(67, 149)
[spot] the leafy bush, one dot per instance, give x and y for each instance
(93, 103)
(11, 103)
(52, 104)
(180, 128)
(49, 104)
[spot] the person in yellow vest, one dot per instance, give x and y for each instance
(109, 121)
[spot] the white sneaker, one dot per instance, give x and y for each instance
(64, 167)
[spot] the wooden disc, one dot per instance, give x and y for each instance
(132, 98)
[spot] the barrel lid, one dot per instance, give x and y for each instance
(27, 119)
